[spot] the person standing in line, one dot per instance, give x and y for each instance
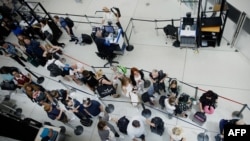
(176, 134)
(137, 79)
(11, 51)
(46, 30)
(66, 27)
(136, 128)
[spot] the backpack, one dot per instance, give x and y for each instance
(116, 11)
(69, 22)
(123, 124)
(159, 125)
(162, 101)
(86, 39)
(54, 69)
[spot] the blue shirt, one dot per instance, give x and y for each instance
(34, 48)
(94, 108)
(63, 23)
(11, 49)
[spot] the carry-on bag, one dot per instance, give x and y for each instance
(199, 118)
(122, 124)
(86, 122)
(159, 126)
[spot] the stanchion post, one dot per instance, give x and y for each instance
(203, 136)
(39, 79)
(239, 113)
(78, 130)
(145, 112)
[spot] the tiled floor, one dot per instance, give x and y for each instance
(220, 69)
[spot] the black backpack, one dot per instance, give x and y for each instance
(162, 101)
(86, 39)
(159, 125)
(116, 11)
(69, 22)
(54, 69)
(123, 124)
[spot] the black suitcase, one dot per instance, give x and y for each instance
(199, 118)
(123, 124)
(147, 98)
(8, 85)
(162, 101)
(159, 126)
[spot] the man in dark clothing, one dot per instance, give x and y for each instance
(66, 27)
(36, 50)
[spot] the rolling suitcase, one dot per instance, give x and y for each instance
(123, 124)
(159, 126)
(162, 101)
(199, 118)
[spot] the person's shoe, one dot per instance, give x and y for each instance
(117, 135)
(116, 95)
(76, 41)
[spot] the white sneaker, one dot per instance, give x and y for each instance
(121, 137)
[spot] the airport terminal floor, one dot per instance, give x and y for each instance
(220, 69)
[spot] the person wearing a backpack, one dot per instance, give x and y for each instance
(67, 24)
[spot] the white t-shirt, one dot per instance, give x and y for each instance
(170, 108)
(57, 62)
(136, 132)
(77, 70)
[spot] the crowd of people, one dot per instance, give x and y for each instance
(133, 86)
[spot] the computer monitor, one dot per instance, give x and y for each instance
(109, 29)
(188, 21)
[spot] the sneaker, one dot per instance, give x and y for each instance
(117, 135)
(116, 95)
(76, 41)
(121, 137)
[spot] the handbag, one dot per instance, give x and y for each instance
(105, 90)
(8, 85)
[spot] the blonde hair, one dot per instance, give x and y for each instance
(46, 107)
(177, 131)
(105, 9)
(171, 99)
(99, 73)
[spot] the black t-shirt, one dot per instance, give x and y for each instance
(91, 80)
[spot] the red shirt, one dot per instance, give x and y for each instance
(22, 79)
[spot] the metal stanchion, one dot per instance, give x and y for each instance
(203, 137)
(145, 112)
(78, 130)
(39, 79)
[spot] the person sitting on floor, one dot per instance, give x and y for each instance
(208, 102)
